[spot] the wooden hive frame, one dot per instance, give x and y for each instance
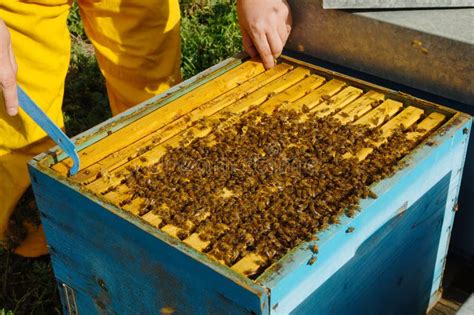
(286, 86)
(245, 86)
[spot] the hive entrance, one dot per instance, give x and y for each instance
(256, 162)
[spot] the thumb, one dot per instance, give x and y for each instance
(7, 72)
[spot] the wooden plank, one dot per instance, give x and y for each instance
(444, 307)
(430, 123)
(380, 114)
(159, 118)
(120, 194)
(153, 219)
(249, 264)
(252, 262)
(258, 97)
(292, 94)
(332, 97)
(120, 157)
(317, 96)
(174, 230)
(195, 242)
(359, 107)
(337, 102)
(393, 4)
(117, 196)
(94, 239)
(329, 88)
(405, 119)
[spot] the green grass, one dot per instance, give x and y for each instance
(210, 33)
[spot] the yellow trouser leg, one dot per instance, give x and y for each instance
(137, 46)
(41, 44)
(138, 49)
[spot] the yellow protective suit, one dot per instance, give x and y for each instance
(137, 45)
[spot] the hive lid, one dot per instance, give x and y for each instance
(389, 44)
(383, 4)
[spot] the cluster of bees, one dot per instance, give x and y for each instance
(265, 183)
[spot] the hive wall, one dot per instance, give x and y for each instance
(422, 197)
(116, 261)
(392, 271)
(113, 266)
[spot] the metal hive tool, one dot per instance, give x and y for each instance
(58, 136)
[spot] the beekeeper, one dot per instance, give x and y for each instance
(137, 45)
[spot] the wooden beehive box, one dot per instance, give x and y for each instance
(388, 258)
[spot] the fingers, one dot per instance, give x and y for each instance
(248, 44)
(8, 84)
(275, 44)
(265, 26)
(8, 72)
(260, 42)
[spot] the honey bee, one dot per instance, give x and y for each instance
(167, 310)
(125, 202)
(372, 195)
(270, 162)
(312, 260)
(155, 140)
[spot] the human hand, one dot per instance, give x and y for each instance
(8, 70)
(265, 26)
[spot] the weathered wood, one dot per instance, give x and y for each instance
(336, 103)
(428, 124)
(405, 119)
(359, 107)
(157, 119)
(120, 157)
(380, 114)
(393, 4)
(266, 93)
(315, 97)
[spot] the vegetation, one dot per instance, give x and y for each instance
(210, 33)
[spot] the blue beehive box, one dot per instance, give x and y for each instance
(387, 259)
(427, 53)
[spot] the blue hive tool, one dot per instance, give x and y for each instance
(58, 136)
